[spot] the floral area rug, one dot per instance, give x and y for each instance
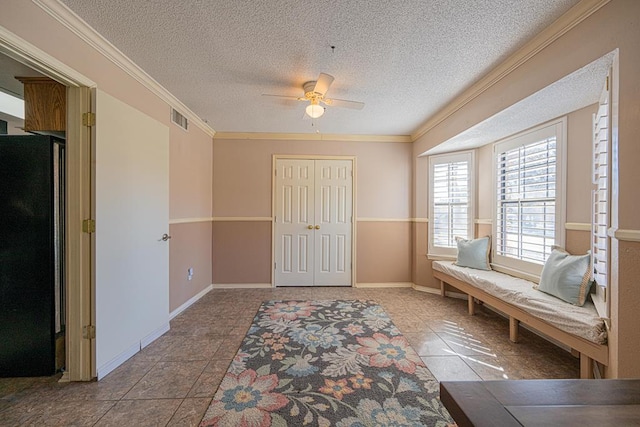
(326, 363)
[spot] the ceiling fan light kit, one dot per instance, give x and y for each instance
(314, 111)
(314, 92)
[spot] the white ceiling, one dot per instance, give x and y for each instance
(405, 59)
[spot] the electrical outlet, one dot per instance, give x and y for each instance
(190, 273)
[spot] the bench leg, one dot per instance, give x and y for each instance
(513, 329)
(471, 304)
(586, 367)
(442, 288)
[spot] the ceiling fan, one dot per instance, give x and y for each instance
(314, 93)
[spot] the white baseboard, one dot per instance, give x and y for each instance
(103, 370)
(385, 285)
(145, 341)
(190, 302)
(242, 286)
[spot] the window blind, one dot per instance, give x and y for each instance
(600, 220)
(526, 201)
(450, 202)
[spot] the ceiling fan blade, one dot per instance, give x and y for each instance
(323, 83)
(295, 98)
(343, 103)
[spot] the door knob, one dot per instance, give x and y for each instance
(310, 227)
(317, 227)
(165, 237)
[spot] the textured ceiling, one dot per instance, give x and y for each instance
(405, 59)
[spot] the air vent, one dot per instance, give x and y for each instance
(179, 119)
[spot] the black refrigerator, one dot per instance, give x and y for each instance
(31, 253)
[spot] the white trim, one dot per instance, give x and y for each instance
(242, 286)
(557, 29)
(625, 235)
(313, 137)
(385, 285)
(189, 220)
(154, 335)
(190, 302)
(84, 31)
(516, 273)
(241, 218)
(484, 221)
(105, 369)
(385, 219)
(440, 257)
(577, 226)
(28, 54)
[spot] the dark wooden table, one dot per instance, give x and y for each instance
(543, 402)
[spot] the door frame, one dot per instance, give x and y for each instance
(79, 252)
(353, 160)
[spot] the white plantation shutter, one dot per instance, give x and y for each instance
(600, 221)
(526, 201)
(528, 205)
(450, 201)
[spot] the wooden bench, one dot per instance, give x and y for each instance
(588, 350)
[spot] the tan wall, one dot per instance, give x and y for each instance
(614, 26)
(190, 196)
(241, 252)
(383, 252)
(190, 152)
(190, 248)
(242, 171)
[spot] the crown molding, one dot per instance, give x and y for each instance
(312, 137)
(557, 29)
(85, 32)
(26, 53)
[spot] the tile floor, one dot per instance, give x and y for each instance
(171, 382)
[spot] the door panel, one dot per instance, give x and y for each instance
(294, 197)
(334, 209)
(132, 214)
(313, 222)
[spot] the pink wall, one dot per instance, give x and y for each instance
(190, 152)
(242, 171)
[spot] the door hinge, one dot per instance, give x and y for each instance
(89, 332)
(88, 119)
(607, 83)
(275, 172)
(89, 226)
(274, 266)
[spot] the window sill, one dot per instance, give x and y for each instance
(438, 257)
(516, 273)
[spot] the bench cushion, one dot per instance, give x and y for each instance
(582, 321)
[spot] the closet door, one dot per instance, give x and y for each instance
(313, 220)
(333, 214)
(294, 222)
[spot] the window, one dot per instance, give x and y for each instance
(450, 201)
(529, 216)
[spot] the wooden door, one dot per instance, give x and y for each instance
(313, 222)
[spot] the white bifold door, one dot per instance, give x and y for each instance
(313, 222)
